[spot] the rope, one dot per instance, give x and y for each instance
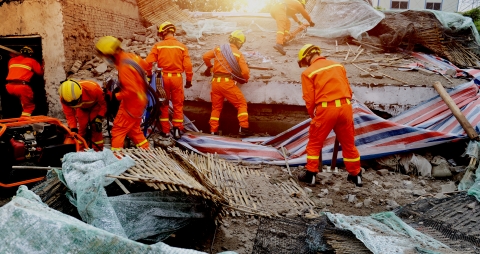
(232, 62)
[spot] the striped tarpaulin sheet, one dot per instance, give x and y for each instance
(428, 124)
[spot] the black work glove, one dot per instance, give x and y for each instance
(311, 23)
(188, 84)
(74, 130)
(97, 123)
(208, 72)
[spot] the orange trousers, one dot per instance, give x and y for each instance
(225, 88)
(279, 13)
(125, 125)
(340, 119)
(84, 117)
(25, 94)
(173, 85)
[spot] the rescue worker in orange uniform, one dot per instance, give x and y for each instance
(327, 96)
(132, 71)
(172, 56)
(20, 70)
(84, 104)
(223, 83)
(281, 12)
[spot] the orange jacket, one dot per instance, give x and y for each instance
(92, 100)
(172, 56)
(324, 81)
(22, 68)
(218, 67)
(132, 93)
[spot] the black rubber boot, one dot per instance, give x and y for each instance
(279, 48)
(244, 132)
(307, 177)
(357, 180)
(177, 134)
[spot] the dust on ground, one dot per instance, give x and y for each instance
(258, 51)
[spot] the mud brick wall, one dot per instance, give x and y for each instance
(87, 20)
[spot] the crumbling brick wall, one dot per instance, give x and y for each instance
(86, 20)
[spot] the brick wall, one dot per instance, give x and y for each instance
(83, 23)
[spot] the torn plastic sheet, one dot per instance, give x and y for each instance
(29, 226)
(386, 233)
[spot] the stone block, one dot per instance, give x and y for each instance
(449, 187)
(382, 172)
(327, 201)
(101, 68)
(374, 66)
(451, 72)
(365, 75)
(140, 38)
(76, 66)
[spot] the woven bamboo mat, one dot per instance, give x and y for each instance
(218, 180)
(159, 11)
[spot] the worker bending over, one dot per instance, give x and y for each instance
(283, 10)
(132, 71)
(229, 67)
(173, 58)
(327, 96)
(20, 70)
(84, 107)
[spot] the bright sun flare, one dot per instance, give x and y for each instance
(254, 5)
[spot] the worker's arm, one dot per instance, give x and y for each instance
(308, 90)
(298, 8)
(348, 82)
(37, 68)
(207, 57)
(70, 116)
(187, 65)
(244, 67)
(129, 78)
(145, 66)
(152, 56)
(101, 103)
(293, 16)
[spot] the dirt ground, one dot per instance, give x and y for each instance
(259, 51)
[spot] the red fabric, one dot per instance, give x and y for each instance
(25, 94)
(125, 125)
(324, 80)
(340, 119)
(172, 56)
(173, 85)
(220, 62)
(22, 68)
(92, 105)
(226, 89)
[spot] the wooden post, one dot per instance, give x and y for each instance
(472, 134)
(334, 155)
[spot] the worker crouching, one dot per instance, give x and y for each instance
(20, 70)
(173, 58)
(229, 67)
(281, 12)
(84, 107)
(132, 71)
(327, 96)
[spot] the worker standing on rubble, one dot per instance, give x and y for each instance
(327, 96)
(84, 107)
(173, 58)
(20, 70)
(132, 75)
(281, 12)
(229, 68)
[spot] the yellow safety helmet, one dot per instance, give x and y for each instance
(237, 36)
(306, 50)
(107, 45)
(26, 51)
(166, 27)
(70, 92)
(302, 2)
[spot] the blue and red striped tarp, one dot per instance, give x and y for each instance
(428, 124)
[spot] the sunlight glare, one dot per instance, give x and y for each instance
(254, 5)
